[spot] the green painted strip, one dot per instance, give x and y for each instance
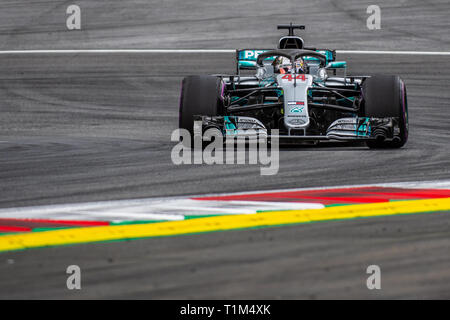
(124, 223)
(337, 205)
(202, 216)
(43, 229)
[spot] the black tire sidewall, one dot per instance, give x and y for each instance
(385, 96)
(200, 95)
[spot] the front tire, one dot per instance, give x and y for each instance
(385, 96)
(200, 95)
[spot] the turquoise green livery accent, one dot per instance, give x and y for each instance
(247, 64)
(364, 129)
(297, 109)
(230, 128)
(247, 58)
(337, 65)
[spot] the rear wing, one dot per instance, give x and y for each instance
(246, 58)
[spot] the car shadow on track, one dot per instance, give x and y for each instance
(325, 146)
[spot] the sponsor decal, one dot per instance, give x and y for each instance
(297, 109)
(250, 54)
(296, 106)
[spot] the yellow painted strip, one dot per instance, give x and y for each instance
(93, 234)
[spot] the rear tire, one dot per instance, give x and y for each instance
(385, 96)
(200, 95)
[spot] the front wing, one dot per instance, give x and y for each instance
(344, 129)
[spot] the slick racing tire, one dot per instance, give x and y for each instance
(385, 96)
(200, 95)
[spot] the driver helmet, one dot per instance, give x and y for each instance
(284, 65)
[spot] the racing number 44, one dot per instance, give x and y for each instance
(289, 77)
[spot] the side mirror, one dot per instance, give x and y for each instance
(264, 72)
(337, 65)
(244, 64)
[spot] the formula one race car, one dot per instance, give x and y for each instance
(293, 91)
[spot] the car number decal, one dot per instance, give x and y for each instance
(289, 77)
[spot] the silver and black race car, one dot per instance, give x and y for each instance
(296, 92)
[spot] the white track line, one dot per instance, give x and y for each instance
(76, 51)
(169, 209)
(426, 53)
(81, 51)
(431, 184)
(114, 204)
(175, 208)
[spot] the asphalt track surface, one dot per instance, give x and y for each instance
(89, 127)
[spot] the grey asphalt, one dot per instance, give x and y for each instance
(89, 127)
